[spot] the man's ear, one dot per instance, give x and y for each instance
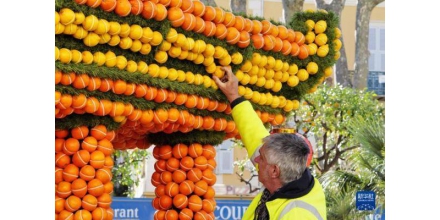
(275, 171)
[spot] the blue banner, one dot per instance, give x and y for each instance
(142, 209)
(365, 200)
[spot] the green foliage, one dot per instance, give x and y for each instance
(327, 113)
(129, 165)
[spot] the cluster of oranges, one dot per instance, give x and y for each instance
(83, 165)
(184, 178)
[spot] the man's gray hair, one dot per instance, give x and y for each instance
(289, 152)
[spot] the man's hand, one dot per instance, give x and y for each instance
(228, 84)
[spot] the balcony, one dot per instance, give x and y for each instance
(376, 83)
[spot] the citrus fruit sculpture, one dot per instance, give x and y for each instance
(136, 73)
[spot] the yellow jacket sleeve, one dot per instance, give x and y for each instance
(250, 127)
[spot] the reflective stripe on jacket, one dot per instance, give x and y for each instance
(252, 131)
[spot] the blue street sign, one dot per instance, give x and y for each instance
(141, 208)
(365, 200)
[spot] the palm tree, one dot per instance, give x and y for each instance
(363, 170)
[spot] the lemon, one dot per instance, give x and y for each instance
(153, 70)
(79, 18)
(165, 46)
(328, 71)
(237, 58)
(147, 35)
(310, 24)
(103, 26)
(181, 75)
(303, 75)
(189, 78)
(99, 58)
(76, 56)
(337, 33)
(67, 16)
(125, 43)
(269, 74)
(310, 37)
(131, 66)
(145, 49)
(163, 72)
(293, 69)
(65, 55)
(277, 86)
(171, 35)
(57, 18)
(207, 82)
(247, 66)
(142, 67)
(239, 74)
(90, 23)
(92, 39)
(312, 49)
(269, 84)
(322, 51)
(278, 65)
(172, 74)
(338, 44)
(246, 79)
(87, 57)
(105, 38)
(209, 50)
(125, 30)
(256, 96)
(121, 62)
(253, 80)
(320, 26)
(114, 40)
(312, 68)
(114, 28)
(321, 39)
(136, 32)
(248, 93)
(270, 62)
(157, 38)
(256, 59)
(293, 81)
(207, 60)
(57, 53)
(136, 46)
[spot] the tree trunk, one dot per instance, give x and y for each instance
(363, 13)
(342, 74)
(291, 7)
(238, 6)
(209, 2)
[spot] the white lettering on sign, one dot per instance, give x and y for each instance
(126, 213)
(230, 212)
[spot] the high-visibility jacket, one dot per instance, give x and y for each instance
(300, 199)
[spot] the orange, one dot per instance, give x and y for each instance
(166, 3)
(171, 214)
(176, 16)
(295, 49)
(59, 204)
(248, 25)
(70, 173)
(95, 187)
(191, 102)
(210, 13)
(72, 203)
(160, 116)
(233, 35)
(180, 201)
(180, 150)
(274, 31)
(210, 28)
(155, 179)
(195, 150)
(291, 35)
(187, 6)
(186, 187)
(79, 188)
(244, 40)
(160, 165)
(151, 93)
(257, 27)
(189, 21)
(195, 174)
(81, 158)
(99, 213)
(104, 200)
(269, 42)
(81, 81)
(159, 214)
(165, 202)
(198, 122)
(221, 31)
(195, 203)
(99, 132)
(258, 41)
(131, 88)
(106, 85)
(91, 105)
(240, 23)
(65, 215)
(171, 189)
(208, 123)
(82, 214)
(200, 187)
(166, 177)
(94, 83)
(104, 175)
(93, 3)
(146, 117)
(201, 162)
(161, 96)
(137, 7)
(165, 152)
(266, 27)
(219, 16)
(171, 97)
(210, 193)
(79, 101)
(150, 10)
(186, 214)
(123, 8)
(71, 146)
(186, 163)
(229, 19)
(172, 164)
(287, 48)
(303, 52)
(87, 173)
(181, 98)
(59, 175)
(208, 205)
(159, 190)
(199, 8)
(179, 176)
(162, 12)
(89, 202)
(209, 177)
(89, 143)
(299, 38)
(108, 5)
(175, 3)
(200, 25)
(63, 189)
(65, 101)
(208, 151)
(97, 159)
(104, 107)
(278, 45)
(119, 86)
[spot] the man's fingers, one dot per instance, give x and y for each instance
(217, 80)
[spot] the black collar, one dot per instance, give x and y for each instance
(295, 189)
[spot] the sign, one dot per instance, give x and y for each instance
(141, 209)
(230, 209)
(365, 200)
(125, 208)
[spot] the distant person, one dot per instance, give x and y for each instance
(290, 191)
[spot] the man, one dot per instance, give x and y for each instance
(291, 192)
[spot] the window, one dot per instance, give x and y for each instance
(225, 158)
(376, 45)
